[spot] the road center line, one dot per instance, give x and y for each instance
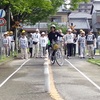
(98, 87)
(13, 73)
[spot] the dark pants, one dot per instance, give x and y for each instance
(65, 49)
(30, 50)
(69, 49)
(74, 49)
(79, 49)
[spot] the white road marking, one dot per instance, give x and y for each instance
(98, 87)
(13, 73)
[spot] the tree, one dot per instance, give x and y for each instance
(74, 3)
(34, 10)
(31, 10)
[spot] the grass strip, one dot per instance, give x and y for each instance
(94, 61)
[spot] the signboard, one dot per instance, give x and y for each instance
(2, 21)
(2, 13)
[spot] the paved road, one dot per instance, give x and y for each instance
(24, 80)
(27, 83)
(77, 80)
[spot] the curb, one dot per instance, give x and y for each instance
(6, 61)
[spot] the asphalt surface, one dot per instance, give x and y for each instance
(77, 80)
(24, 80)
(26, 84)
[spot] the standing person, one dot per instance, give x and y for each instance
(61, 40)
(65, 45)
(90, 40)
(75, 42)
(98, 42)
(95, 45)
(82, 44)
(36, 37)
(11, 42)
(5, 42)
(69, 37)
(43, 44)
(23, 44)
(79, 35)
(30, 44)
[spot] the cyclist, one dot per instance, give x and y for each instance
(53, 37)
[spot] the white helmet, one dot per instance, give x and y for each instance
(43, 33)
(37, 30)
(53, 26)
(69, 30)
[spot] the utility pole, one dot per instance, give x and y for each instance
(8, 17)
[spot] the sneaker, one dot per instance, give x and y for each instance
(68, 57)
(93, 57)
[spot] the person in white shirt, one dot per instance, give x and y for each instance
(82, 44)
(36, 37)
(69, 40)
(61, 40)
(5, 42)
(43, 44)
(75, 42)
(98, 42)
(95, 45)
(79, 35)
(23, 44)
(90, 42)
(11, 42)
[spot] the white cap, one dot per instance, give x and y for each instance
(53, 26)
(69, 30)
(83, 32)
(6, 33)
(37, 30)
(43, 33)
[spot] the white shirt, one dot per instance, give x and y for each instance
(98, 40)
(5, 41)
(23, 42)
(60, 39)
(43, 41)
(36, 37)
(69, 38)
(82, 41)
(10, 39)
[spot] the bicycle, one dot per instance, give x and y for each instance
(58, 56)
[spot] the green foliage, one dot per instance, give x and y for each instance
(32, 10)
(35, 10)
(74, 3)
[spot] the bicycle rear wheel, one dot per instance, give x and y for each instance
(59, 57)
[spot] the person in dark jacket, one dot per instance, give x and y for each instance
(53, 36)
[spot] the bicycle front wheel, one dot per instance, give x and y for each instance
(59, 57)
